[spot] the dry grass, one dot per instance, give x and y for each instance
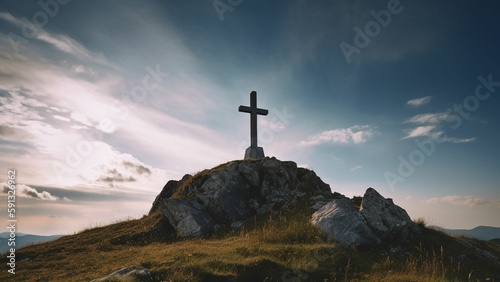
(423, 266)
(272, 248)
(421, 222)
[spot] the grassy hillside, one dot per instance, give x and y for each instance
(273, 248)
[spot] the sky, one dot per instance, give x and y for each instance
(103, 102)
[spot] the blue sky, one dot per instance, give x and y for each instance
(102, 102)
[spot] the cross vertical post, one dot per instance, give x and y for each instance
(253, 152)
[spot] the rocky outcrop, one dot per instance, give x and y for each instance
(234, 192)
(230, 194)
(378, 220)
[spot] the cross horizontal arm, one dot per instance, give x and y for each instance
(245, 109)
(262, 112)
(258, 111)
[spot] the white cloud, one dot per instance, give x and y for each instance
(78, 127)
(25, 115)
(352, 135)
(356, 168)
(10, 18)
(26, 191)
(117, 169)
(423, 131)
(436, 118)
(469, 201)
(275, 126)
(65, 44)
(58, 117)
(430, 126)
(81, 118)
(459, 140)
(175, 143)
(106, 168)
(435, 133)
(62, 42)
(17, 107)
(80, 69)
(52, 108)
(419, 101)
(183, 143)
(38, 127)
(47, 145)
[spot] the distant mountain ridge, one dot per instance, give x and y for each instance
(23, 240)
(481, 232)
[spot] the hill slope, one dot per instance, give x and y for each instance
(284, 245)
(273, 243)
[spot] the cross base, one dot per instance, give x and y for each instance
(252, 153)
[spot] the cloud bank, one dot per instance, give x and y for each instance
(353, 135)
(25, 191)
(432, 125)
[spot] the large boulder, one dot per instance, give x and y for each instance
(343, 224)
(378, 220)
(187, 217)
(387, 220)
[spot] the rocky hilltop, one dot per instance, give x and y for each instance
(229, 195)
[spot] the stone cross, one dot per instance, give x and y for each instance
(253, 152)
